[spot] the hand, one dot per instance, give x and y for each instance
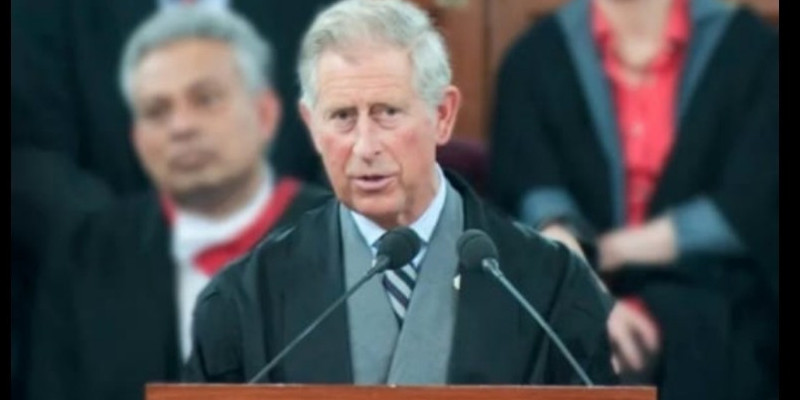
(632, 333)
(653, 244)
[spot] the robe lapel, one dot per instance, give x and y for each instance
(487, 346)
(313, 283)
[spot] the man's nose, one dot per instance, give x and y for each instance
(367, 143)
(183, 124)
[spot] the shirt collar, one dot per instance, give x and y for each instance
(190, 226)
(601, 28)
(423, 226)
(679, 23)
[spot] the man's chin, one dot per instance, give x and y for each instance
(190, 191)
(383, 212)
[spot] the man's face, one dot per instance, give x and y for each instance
(376, 136)
(196, 126)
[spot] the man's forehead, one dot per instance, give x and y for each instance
(365, 93)
(362, 48)
(363, 59)
(387, 74)
(184, 62)
(186, 50)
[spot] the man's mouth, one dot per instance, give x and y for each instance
(190, 160)
(372, 182)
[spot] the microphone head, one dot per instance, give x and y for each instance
(400, 246)
(473, 247)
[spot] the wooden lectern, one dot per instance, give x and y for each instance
(352, 392)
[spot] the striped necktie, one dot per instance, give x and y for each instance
(399, 286)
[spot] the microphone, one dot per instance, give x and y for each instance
(477, 251)
(396, 248)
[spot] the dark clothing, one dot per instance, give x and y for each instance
(717, 308)
(247, 314)
(46, 191)
(105, 316)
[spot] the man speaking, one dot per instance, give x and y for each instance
(378, 99)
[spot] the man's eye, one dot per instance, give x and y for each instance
(387, 115)
(341, 115)
(207, 99)
(154, 113)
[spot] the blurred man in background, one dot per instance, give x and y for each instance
(116, 298)
(70, 127)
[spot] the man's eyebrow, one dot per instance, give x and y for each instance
(336, 107)
(205, 83)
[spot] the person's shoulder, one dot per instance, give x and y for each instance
(747, 48)
(233, 278)
(130, 207)
(126, 217)
(750, 35)
(537, 51)
(314, 191)
(500, 222)
(306, 196)
(520, 237)
(543, 263)
(269, 255)
(747, 19)
(509, 233)
(542, 29)
(317, 203)
(540, 35)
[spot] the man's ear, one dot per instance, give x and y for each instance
(446, 113)
(270, 111)
(135, 137)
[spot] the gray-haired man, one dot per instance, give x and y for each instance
(377, 98)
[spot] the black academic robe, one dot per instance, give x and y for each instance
(105, 314)
(251, 311)
(718, 313)
(35, 211)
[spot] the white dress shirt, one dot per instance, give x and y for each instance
(191, 235)
(423, 226)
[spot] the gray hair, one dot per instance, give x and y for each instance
(393, 22)
(252, 53)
